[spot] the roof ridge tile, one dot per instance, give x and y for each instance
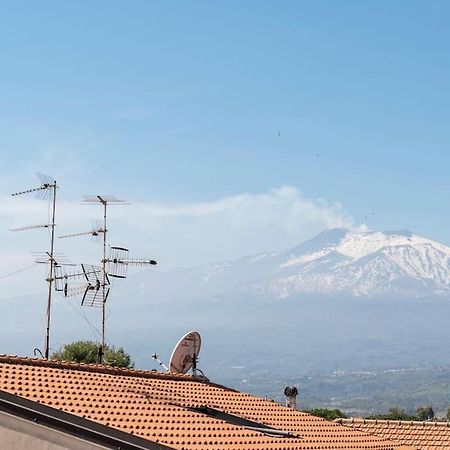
(434, 423)
(103, 368)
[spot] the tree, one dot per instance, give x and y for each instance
(425, 412)
(448, 414)
(394, 414)
(87, 352)
(329, 414)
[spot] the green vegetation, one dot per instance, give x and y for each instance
(88, 351)
(394, 414)
(422, 413)
(329, 414)
(425, 412)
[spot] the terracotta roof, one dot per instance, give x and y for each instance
(419, 435)
(162, 408)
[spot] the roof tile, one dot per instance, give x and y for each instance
(154, 405)
(419, 435)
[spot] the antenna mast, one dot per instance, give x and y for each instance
(115, 265)
(104, 201)
(47, 189)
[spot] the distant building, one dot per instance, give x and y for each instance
(55, 405)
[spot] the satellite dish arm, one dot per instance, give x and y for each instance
(155, 356)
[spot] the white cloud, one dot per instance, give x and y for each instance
(179, 234)
(256, 207)
(234, 226)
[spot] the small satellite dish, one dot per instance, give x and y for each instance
(185, 354)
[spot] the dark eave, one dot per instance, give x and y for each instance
(74, 425)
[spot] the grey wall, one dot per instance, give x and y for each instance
(20, 434)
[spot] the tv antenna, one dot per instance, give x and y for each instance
(95, 232)
(185, 355)
(104, 282)
(89, 287)
(113, 265)
(46, 191)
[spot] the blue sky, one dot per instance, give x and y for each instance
(177, 106)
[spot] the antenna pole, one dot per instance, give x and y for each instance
(113, 266)
(103, 281)
(51, 275)
(46, 190)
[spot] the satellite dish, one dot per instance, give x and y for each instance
(185, 354)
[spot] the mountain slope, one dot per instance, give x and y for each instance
(367, 264)
(337, 261)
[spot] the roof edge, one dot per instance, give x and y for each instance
(102, 368)
(75, 425)
(392, 422)
(98, 368)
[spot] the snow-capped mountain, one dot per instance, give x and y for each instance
(364, 264)
(337, 261)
